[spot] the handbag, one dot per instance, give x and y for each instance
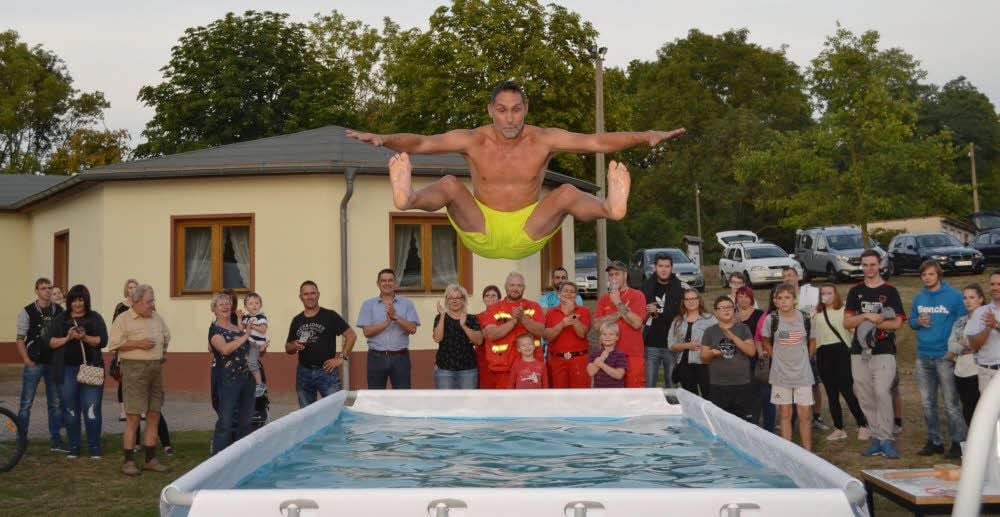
(89, 375)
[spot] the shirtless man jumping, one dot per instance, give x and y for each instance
(503, 217)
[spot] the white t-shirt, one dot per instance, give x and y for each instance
(808, 299)
(989, 354)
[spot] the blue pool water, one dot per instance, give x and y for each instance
(365, 451)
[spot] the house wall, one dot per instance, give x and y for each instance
(123, 229)
(15, 272)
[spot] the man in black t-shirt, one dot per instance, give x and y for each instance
(874, 369)
(313, 336)
(663, 292)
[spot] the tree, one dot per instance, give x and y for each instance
(88, 148)
(243, 78)
(441, 79)
(39, 108)
(864, 159)
(968, 115)
(726, 91)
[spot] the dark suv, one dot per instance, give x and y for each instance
(987, 241)
(908, 250)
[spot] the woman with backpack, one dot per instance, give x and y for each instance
(833, 358)
(785, 337)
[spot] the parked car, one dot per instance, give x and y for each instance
(834, 252)
(585, 273)
(730, 237)
(987, 241)
(908, 250)
(760, 263)
(643, 261)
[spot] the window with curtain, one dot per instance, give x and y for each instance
(426, 253)
(212, 253)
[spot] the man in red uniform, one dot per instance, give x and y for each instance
(566, 327)
(504, 321)
(627, 307)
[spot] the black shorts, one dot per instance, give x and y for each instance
(740, 400)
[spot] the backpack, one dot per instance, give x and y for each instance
(762, 369)
(805, 321)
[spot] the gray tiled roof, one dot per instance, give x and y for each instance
(15, 187)
(322, 150)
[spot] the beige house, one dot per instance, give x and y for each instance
(263, 216)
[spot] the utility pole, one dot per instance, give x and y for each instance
(697, 212)
(975, 187)
(602, 224)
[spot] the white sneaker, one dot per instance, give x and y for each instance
(837, 434)
(897, 430)
(864, 434)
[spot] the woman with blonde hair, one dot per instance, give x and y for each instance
(457, 333)
(230, 348)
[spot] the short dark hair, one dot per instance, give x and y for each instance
(384, 271)
(994, 272)
(931, 264)
(975, 287)
(308, 282)
(42, 281)
(508, 86)
(720, 299)
(871, 253)
(560, 268)
(79, 291)
(493, 288)
(737, 274)
(789, 268)
(663, 256)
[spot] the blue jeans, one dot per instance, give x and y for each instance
(456, 379)
(29, 385)
(654, 358)
(235, 407)
(383, 368)
(767, 410)
(81, 401)
(932, 373)
(309, 382)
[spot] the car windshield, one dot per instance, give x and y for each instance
(742, 237)
(588, 261)
(765, 252)
(844, 241)
(937, 240)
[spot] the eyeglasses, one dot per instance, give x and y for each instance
(725, 309)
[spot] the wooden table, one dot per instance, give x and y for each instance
(922, 496)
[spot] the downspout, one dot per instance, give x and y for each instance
(349, 175)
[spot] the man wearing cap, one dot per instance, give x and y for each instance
(505, 320)
(627, 307)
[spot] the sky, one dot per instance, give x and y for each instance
(118, 46)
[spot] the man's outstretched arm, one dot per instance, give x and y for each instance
(455, 141)
(565, 141)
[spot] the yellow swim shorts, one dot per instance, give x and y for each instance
(505, 236)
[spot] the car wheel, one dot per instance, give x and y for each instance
(724, 278)
(805, 273)
(746, 276)
(892, 269)
(831, 273)
(701, 289)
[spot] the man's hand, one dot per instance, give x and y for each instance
(651, 308)
(615, 294)
(147, 344)
(517, 312)
(368, 138)
(874, 317)
(295, 346)
(990, 320)
(331, 364)
(29, 363)
(655, 137)
(568, 321)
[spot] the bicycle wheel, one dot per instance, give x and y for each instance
(12, 441)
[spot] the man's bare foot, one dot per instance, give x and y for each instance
(619, 183)
(400, 172)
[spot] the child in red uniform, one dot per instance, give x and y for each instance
(527, 372)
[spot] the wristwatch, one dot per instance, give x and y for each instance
(340, 355)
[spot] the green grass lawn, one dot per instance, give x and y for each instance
(48, 484)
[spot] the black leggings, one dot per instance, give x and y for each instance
(968, 392)
(694, 378)
(834, 363)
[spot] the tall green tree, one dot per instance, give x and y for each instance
(243, 78)
(726, 91)
(967, 114)
(864, 160)
(39, 108)
(441, 79)
(88, 148)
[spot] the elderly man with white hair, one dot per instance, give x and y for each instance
(140, 336)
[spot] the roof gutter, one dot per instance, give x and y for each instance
(349, 174)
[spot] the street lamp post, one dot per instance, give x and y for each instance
(975, 188)
(602, 224)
